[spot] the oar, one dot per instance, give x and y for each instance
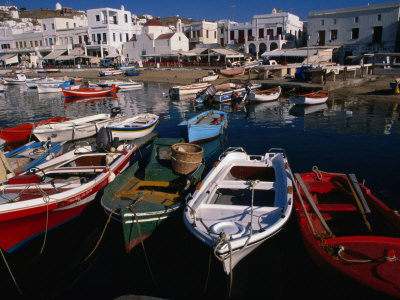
(360, 200)
(312, 203)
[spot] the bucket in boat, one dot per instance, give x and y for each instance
(185, 157)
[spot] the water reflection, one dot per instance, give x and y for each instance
(301, 110)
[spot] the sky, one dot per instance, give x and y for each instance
(211, 10)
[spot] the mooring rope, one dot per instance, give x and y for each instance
(10, 272)
(102, 234)
(46, 199)
(142, 243)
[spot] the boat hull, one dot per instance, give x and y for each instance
(130, 133)
(311, 98)
(89, 92)
(187, 90)
(264, 97)
(364, 258)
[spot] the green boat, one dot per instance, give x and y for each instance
(142, 197)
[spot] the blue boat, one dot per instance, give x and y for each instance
(205, 126)
(32, 155)
(132, 73)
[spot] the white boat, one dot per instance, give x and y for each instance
(265, 95)
(111, 72)
(194, 88)
(243, 201)
(46, 82)
(210, 77)
(19, 78)
(77, 128)
(135, 127)
(317, 97)
(46, 89)
(123, 85)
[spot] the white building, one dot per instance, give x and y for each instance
(156, 40)
(108, 29)
(201, 33)
(266, 32)
(64, 33)
(359, 30)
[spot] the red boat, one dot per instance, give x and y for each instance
(346, 228)
(22, 132)
(32, 203)
(89, 92)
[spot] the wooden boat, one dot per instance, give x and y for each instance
(232, 71)
(89, 92)
(317, 97)
(123, 85)
(76, 129)
(205, 126)
(142, 198)
(194, 88)
(210, 77)
(265, 95)
(349, 231)
(132, 73)
(111, 72)
(135, 127)
(126, 68)
(18, 79)
(243, 201)
(31, 155)
(34, 202)
(238, 89)
(46, 82)
(22, 132)
(55, 88)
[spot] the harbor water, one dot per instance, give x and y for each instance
(345, 135)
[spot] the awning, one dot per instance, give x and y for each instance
(54, 54)
(72, 57)
(9, 59)
(290, 53)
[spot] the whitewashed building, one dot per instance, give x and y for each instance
(64, 33)
(359, 30)
(201, 33)
(266, 32)
(156, 39)
(109, 28)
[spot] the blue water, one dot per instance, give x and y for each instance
(349, 135)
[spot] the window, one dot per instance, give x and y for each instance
(50, 41)
(321, 38)
(179, 38)
(322, 22)
(16, 44)
(105, 37)
(44, 26)
(334, 35)
(97, 18)
(126, 18)
(74, 24)
(261, 33)
(114, 37)
(120, 37)
(206, 33)
(52, 25)
(46, 42)
(355, 19)
(115, 20)
(36, 43)
(377, 36)
(355, 33)
(232, 35)
(334, 21)
(379, 17)
(40, 43)
(93, 37)
(99, 38)
(24, 44)
(127, 37)
(67, 25)
(215, 34)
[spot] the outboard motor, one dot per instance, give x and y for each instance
(115, 111)
(104, 140)
(206, 94)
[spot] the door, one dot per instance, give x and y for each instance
(321, 38)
